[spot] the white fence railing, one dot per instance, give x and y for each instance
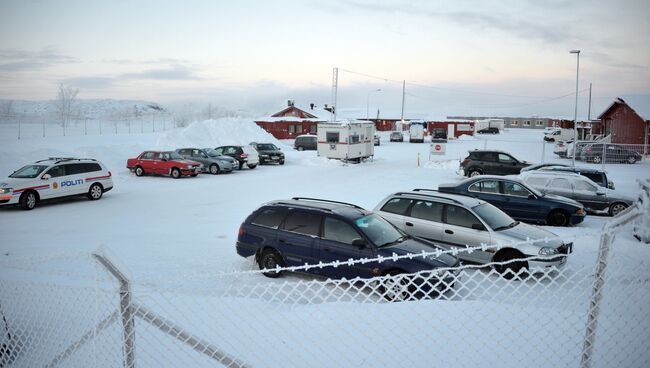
(81, 310)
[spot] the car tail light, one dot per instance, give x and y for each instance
(588, 149)
(241, 231)
(465, 162)
(243, 155)
(580, 212)
(109, 174)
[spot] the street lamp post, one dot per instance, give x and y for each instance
(575, 113)
(368, 101)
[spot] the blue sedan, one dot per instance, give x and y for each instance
(519, 200)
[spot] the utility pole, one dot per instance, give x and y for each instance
(403, 98)
(575, 116)
(589, 111)
(335, 85)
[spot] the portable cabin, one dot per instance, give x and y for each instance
(346, 140)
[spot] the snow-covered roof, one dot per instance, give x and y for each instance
(639, 103)
(318, 115)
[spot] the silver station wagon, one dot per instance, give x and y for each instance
(457, 221)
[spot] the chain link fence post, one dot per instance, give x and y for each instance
(606, 238)
(126, 310)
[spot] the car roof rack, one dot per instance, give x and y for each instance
(326, 201)
(432, 195)
(63, 159)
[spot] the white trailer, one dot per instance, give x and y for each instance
(489, 123)
(416, 132)
(346, 140)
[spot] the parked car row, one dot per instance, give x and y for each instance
(192, 161)
(553, 194)
(299, 231)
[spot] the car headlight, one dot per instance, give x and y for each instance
(264, 155)
(5, 190)
(548, 251)
(188, 166)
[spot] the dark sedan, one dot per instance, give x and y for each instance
(269, 153)
(519, 200)
(600, 152)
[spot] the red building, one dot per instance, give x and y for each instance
(293, 121)
(385, 125)
(442, 128)
(627, 120)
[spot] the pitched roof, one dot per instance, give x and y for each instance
(298, 114)
(639, 103)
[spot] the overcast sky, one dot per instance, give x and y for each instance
(458, 57)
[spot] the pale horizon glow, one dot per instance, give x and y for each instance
(472, 57)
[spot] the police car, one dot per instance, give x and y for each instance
(55, 177)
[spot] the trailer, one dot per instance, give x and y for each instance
(346, 140)
(416, 131)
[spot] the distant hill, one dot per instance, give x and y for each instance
(90, 108)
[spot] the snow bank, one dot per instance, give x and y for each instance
(452, 164)
(214, 133)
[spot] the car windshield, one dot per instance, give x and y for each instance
(267, 147)
(379, 231)
(494, 217)
(212, 153)
(28, 172)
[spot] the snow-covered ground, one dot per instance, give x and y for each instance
(160, 227)
(183, 232)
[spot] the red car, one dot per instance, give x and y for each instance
(163, 162)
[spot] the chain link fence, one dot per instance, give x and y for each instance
(23, 127)
(79, 310)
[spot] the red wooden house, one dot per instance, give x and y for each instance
(627, 120)
(293, 121)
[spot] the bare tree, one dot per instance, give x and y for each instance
(7, 110)
(65, 102)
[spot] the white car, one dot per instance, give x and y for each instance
(55, 177)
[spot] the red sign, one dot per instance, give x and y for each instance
(437, 147)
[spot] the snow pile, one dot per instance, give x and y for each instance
(452, 164)
(214, 133)
(466, 137)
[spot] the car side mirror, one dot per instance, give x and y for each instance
(46, 177)
(163, 159)
(478, 227)
(514, 163)
(359, 242)
(531, 196)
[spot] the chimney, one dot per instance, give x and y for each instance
(312, 105)
(290, 103)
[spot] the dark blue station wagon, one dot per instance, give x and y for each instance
(303, 231)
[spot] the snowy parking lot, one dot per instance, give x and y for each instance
(176, 239)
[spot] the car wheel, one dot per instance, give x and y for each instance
(176, 173)
(558, 218)
(282, 162)
(139, 171)
(616, 208)
(28, 200)
(396, 289)
(214, 169)
(251, 166)
(631, 160)
(474, 172)
(270, 260)
(240, 165)
(301, 148)
(95, 192)
(511, 269)
(597, 159)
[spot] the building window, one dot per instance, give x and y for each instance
(527, 123)
(539, 123)
(514, 122)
